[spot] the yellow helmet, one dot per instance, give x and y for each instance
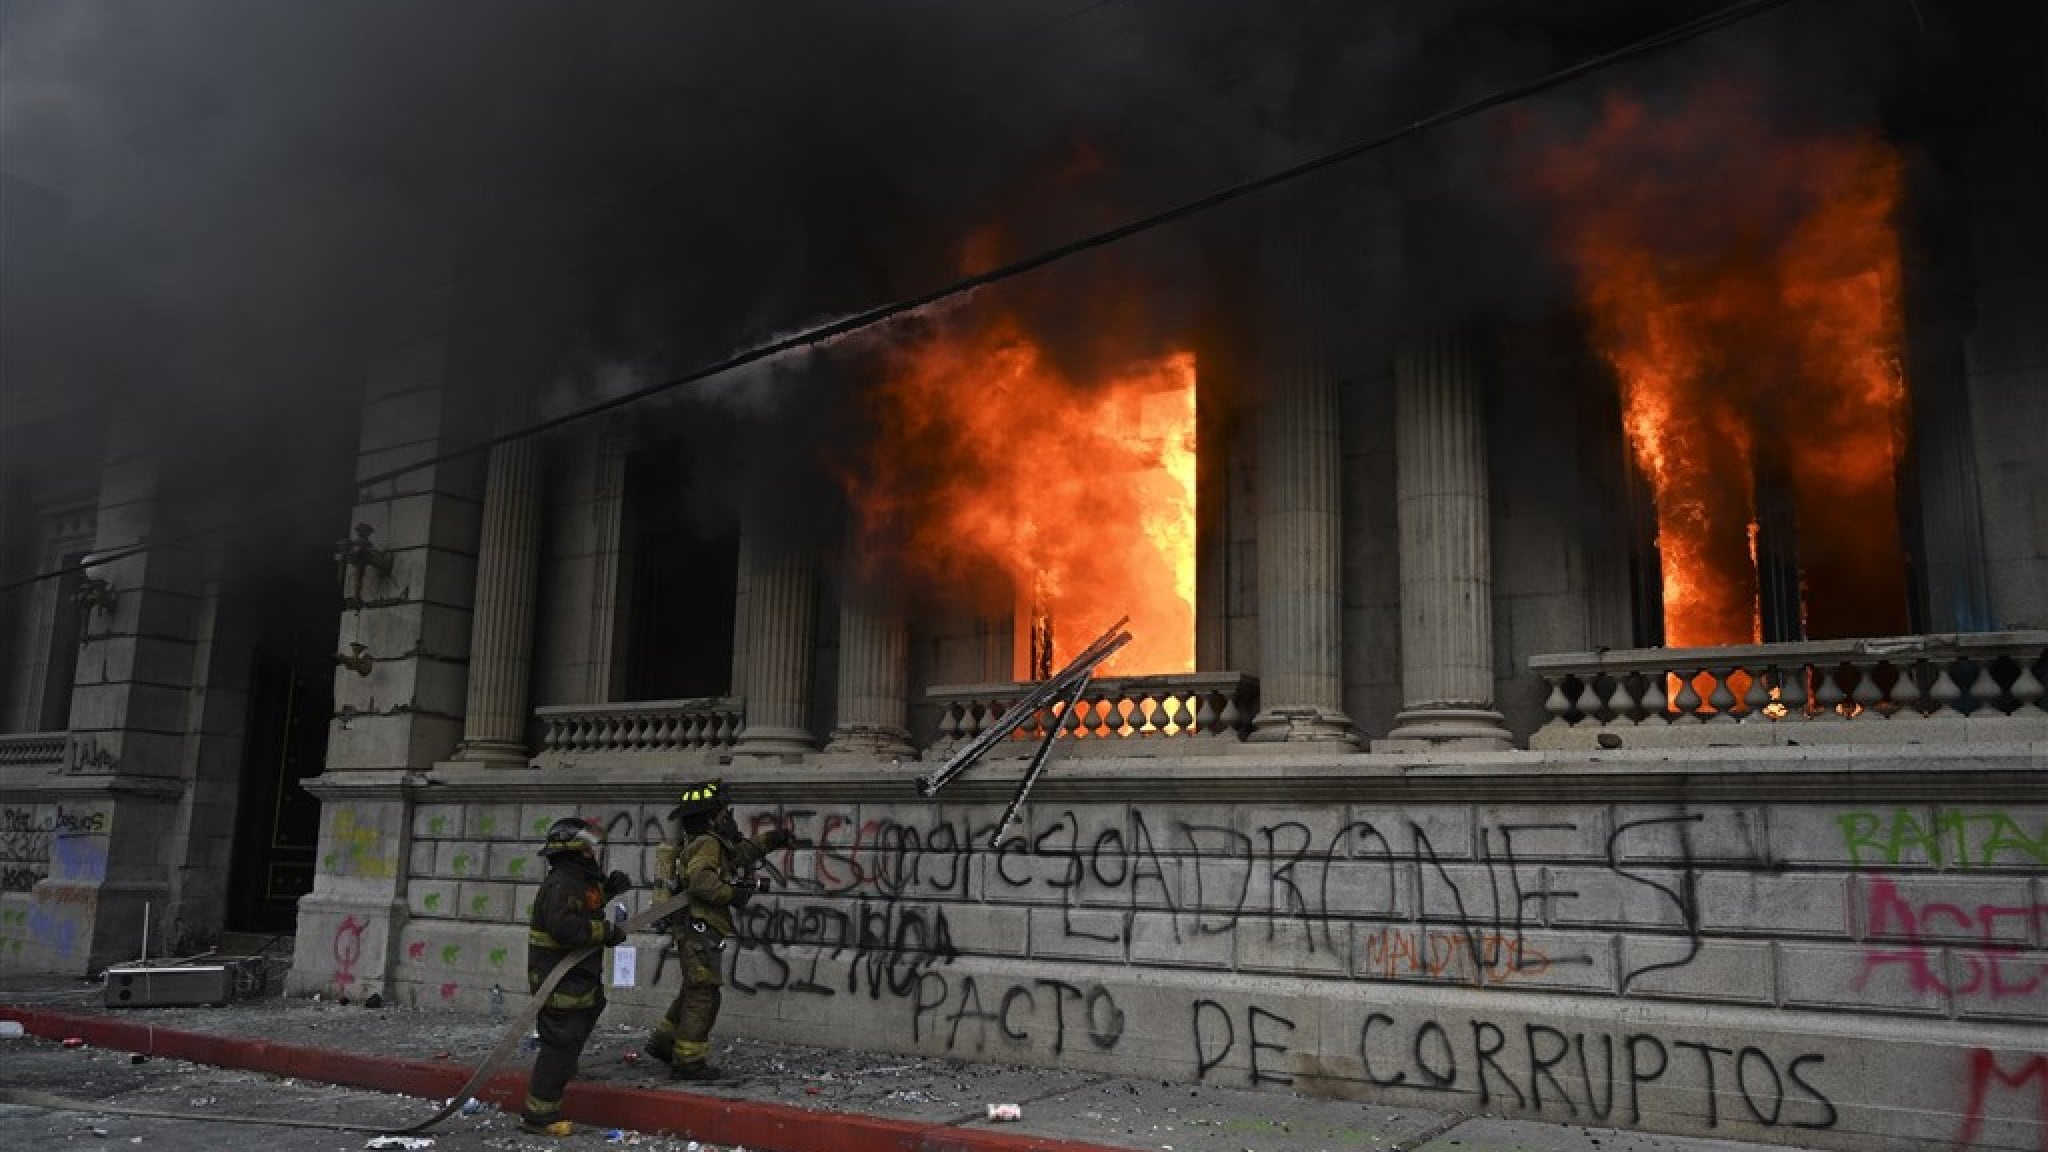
(708, 796)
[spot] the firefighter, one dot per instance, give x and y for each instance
(715, 864)
(568, 914)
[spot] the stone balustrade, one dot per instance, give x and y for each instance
(1960, 686)
(1117, 715)
(704, 729)
(40, 749)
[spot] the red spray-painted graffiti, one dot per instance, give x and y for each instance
(1984, 1071)
(348, 948)
(1994, 968)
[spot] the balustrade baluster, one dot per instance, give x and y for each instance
(1906, 691)
(1829, 696)
(1945, 691)
(1074, 722)
(1234, 715)
(1621, 702)
(1588, 703)
(1173, 708)
(1721, 699)
(1985, 690)
(1557, 704)
(1866, 694)
(1208, 714)
(1756, 696)
(1656, 706)
(2026, 687)
(1793, 693)
(1688, 698)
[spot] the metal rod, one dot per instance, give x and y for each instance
(1038, 760)
(1028, 705)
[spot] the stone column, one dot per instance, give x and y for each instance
(501, 627)
(776, 682)
(1446, 560)
(1301, 668)
(874, 670)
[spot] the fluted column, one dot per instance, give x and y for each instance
(1446, 557)
(781, 607)
(501, 624)
(874, 669)
(1301, 668)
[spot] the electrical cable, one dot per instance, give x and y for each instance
(1734, 13)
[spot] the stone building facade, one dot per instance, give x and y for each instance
(1445, 828)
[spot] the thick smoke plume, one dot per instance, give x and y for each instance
(218, 204)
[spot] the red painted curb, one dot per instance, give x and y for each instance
(712, 1119)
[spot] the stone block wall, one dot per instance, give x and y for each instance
(1828, 948)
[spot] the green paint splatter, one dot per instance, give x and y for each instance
(437, 824)
(517, 867)
(461, 863)
(478, 904)
(497, 957)
(433, 901)
(487, 824)
(449, 953)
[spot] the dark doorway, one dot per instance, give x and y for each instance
(278, 824)
(284, 599)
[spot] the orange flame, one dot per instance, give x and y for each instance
(1081, 494)
(1751, 312)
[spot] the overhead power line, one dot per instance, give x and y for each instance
(1677, 34)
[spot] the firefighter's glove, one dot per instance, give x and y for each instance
(614, 934)
(616, 883)
(743, 891)
(775, 839)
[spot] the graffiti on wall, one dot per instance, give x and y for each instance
(885, 910)
(1588, 1076)
(357, 848)
(36, 840)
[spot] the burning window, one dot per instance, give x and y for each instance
(1743, 281)
(1078, 492)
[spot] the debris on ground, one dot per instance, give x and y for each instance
(409, 1143)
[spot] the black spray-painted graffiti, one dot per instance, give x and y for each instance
(884, 945)
(1469, 925)
(1018, 1012)
(1590, 1077)
(863, 911)
(26, 840)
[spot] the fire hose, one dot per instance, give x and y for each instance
(507, 1043)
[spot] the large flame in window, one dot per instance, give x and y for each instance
(1080, 493)
(1744, 283)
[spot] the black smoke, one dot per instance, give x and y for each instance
(216, 204)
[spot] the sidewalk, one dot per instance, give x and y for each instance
(788, 1098)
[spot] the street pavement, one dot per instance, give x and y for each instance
(794, 1098)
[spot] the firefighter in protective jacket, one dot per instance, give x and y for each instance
(714, 864)
(568, 914)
